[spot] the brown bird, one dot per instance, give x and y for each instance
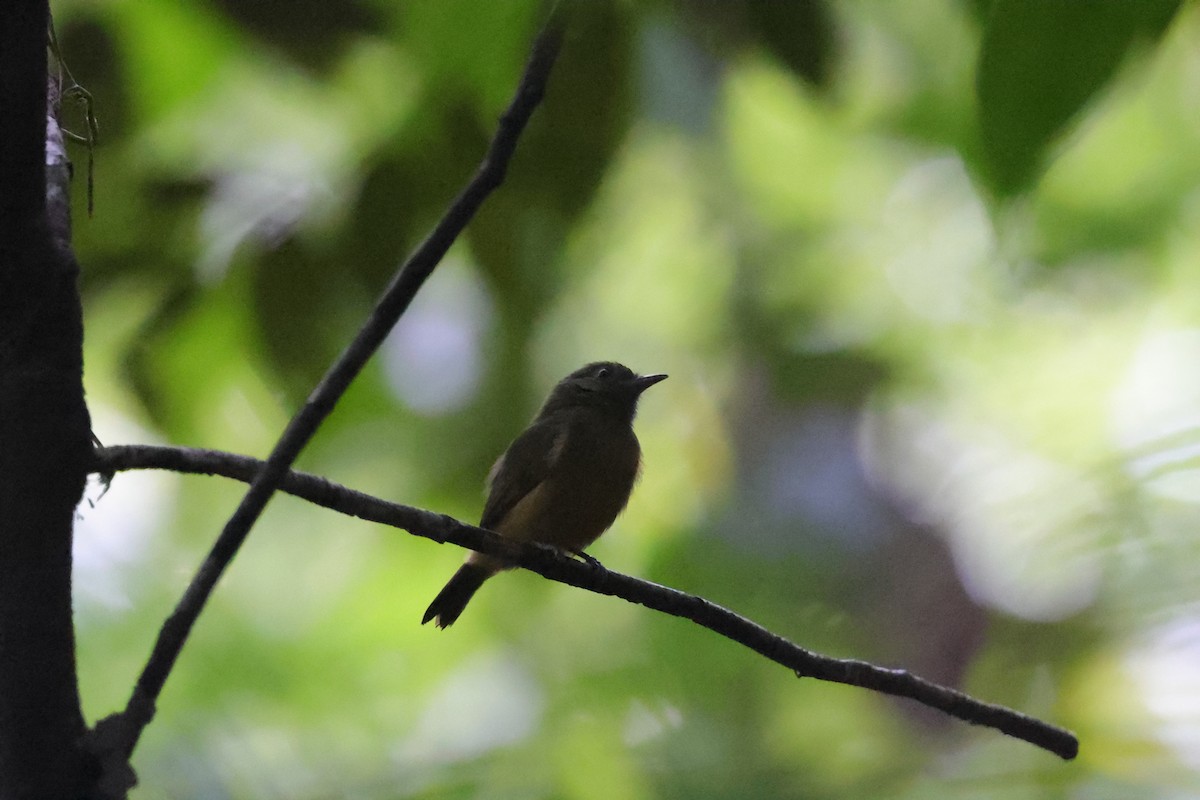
(564, 480)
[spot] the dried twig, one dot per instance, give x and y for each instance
(320, 404)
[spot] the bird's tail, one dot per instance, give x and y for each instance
(455, 595)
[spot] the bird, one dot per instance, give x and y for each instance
(564, 480)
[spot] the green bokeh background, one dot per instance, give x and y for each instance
(924, 276)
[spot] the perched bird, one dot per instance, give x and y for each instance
(564, 480)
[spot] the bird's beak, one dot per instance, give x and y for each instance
(644, 382)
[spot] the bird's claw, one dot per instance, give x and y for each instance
(591, 561)
(564, 552)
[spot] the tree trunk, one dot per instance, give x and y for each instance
(44, 436)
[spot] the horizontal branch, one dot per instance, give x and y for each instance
(557, 567)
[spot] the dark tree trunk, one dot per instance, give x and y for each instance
(44, 436)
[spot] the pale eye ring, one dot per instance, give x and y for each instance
(602, 372)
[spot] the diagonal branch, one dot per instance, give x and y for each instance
(550, 564)
(320, 403)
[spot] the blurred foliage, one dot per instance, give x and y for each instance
(1039, 65)
(924, 277)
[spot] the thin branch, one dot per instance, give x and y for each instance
(320, 404)
(65, 85)
(550, 564)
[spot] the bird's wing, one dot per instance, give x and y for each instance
(527, 462)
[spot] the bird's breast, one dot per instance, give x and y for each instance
(588, 486)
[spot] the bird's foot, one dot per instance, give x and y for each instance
(591, 562)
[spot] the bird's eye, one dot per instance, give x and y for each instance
(602, 372)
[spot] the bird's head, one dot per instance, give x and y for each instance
(605, 385)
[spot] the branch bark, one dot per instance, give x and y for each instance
(553, 565)
(44, 427)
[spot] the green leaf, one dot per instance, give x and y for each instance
(799, 33)
(1040, 63)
